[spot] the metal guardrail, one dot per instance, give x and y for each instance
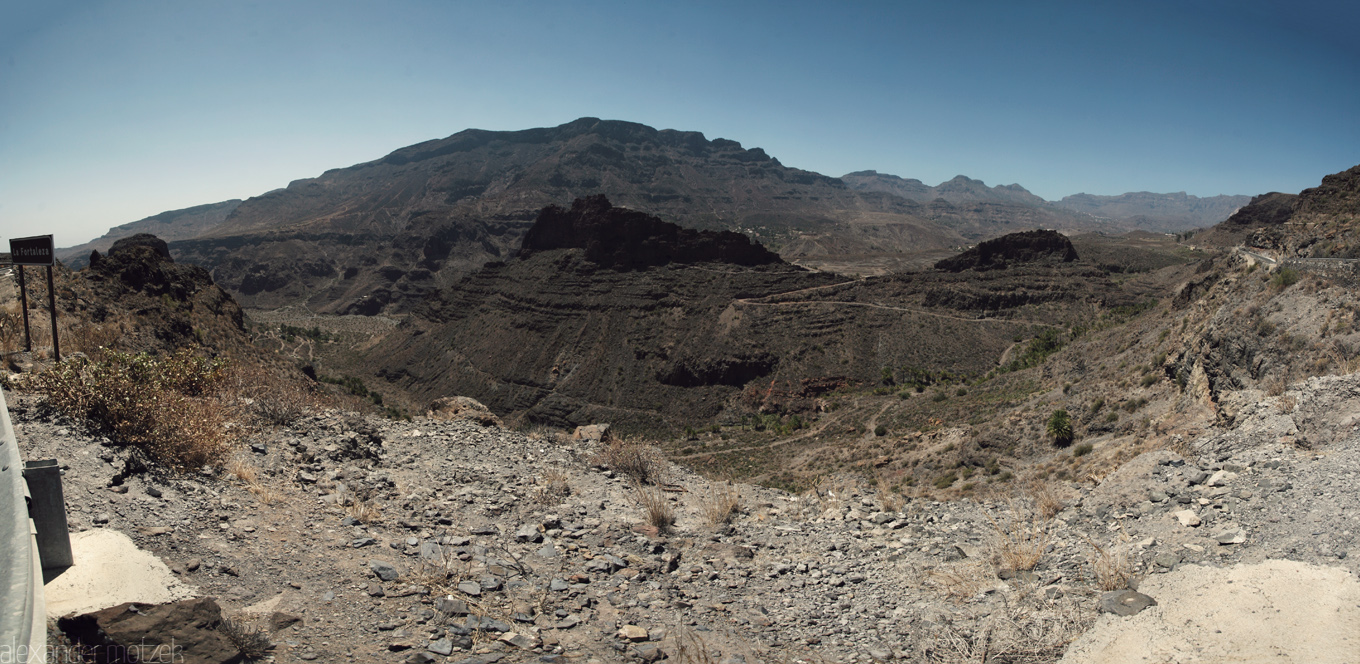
(23, 611)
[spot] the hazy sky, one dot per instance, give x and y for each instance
(114, 111)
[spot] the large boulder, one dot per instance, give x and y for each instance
(185, 631)
(462, 408)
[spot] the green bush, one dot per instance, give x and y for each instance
(939, 396)
(1148, 380)
(1284, 278)
(1082, 449)
(947, 480)
(1059, 428)
(880, 430)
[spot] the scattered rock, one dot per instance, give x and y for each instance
(1125, 602)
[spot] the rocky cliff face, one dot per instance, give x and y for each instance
(1029, 247)
(1320, 222)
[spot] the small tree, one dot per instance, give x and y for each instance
(1060, 428)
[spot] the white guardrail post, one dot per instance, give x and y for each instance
(23, 613)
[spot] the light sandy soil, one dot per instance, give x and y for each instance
(1275, 611)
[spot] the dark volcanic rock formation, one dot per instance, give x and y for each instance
(1036, 246)
(619, 237)
(163, 304)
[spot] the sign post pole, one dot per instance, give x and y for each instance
(37, 250)
(52, 307)
(23, 305)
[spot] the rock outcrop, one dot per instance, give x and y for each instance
(1038, 246)
(619, 237)
(462, 408)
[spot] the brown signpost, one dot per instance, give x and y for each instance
(37, 250)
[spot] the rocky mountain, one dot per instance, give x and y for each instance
(1262, 212)
(381, 234)
(659, 326)
(960, 191)
(168, 226)
(1027, 247)
(1172, 212)
(1319, 222)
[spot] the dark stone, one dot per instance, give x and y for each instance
(185, 631)
(280, 620)
(1125, 602)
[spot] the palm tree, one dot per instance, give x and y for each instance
(1060, 428)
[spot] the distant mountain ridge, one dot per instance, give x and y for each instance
(1140, 210)
(380, 235)
(169, 226)
(1178, 208)
(960, 190)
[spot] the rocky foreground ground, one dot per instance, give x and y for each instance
(372, 540)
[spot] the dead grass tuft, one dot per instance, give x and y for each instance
(242, 469)
(1047, 501)
(363, 511)
(1111, 566)
(720, 503)
(639, 461)
(1023, 632)
(962, 581)
(1022, 534)
(553, 487)
(657, 507)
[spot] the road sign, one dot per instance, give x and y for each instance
(35, 250)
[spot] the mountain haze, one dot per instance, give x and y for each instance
(169, 226)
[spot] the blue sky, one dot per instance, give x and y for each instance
(114, 111)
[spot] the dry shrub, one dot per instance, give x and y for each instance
(1048, 502)
(166, 407)
(720, 503)
(962, 581)
(363, 511)
(1111, 566)
(266, 495)
(637, 460)
(1022, 534)
(1276, 386)
(242, 469)
(250, 638)
(552, 487)
(89, 337)
(11, 328)
(889, 500)
(271, 397)
(657, 507)
(1286, 404)
(1023, 632)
